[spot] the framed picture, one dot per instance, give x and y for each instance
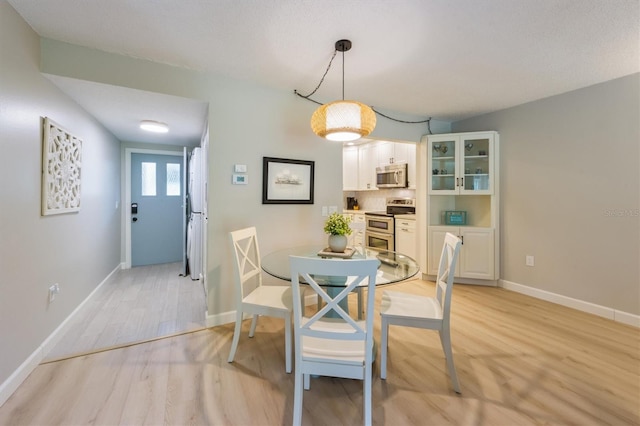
(61, 167)
(287, 181)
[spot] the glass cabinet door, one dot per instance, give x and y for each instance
(443, 164)
(476, 164)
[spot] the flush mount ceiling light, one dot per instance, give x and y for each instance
(343, 120)
(154, 126)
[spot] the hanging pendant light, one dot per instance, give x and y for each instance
(343, 120)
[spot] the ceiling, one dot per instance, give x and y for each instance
(446, 59)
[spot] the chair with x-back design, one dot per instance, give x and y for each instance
(330, 342)
(411, 310)
(254, 298)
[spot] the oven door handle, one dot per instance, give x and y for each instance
(379, 234)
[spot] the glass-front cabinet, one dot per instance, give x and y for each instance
(461, 164)
(459, 193)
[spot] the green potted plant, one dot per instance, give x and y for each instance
(337, 226)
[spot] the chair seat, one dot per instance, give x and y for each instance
(276, 297)
(334, 350)
(402, 305)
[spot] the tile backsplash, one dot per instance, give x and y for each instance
(376, 200)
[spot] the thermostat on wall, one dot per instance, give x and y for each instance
(240, 179)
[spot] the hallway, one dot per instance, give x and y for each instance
(135, 305)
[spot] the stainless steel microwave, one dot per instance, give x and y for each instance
(392, 176)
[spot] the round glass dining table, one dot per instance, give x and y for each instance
(394, 267)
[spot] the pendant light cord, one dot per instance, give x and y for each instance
(308, 97)
(343, 75)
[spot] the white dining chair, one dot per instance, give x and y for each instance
(357, 234)
(356, 227)
(330, 342)
(254, 298)
(432, 313)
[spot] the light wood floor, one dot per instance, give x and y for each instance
(520, 361)
(136, 304)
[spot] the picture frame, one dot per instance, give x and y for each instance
(287, 181)
(61, 170)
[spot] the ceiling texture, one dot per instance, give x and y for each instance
(446, 59)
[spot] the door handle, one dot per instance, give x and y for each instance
(135, 219)
(134, 208)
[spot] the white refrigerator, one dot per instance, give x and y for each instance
(194, 229)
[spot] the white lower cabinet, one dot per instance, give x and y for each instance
(477, 257)
(356, 239)
(406, 242)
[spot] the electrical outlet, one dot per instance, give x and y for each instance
(529, 260)
(333, 209)
(53, 290)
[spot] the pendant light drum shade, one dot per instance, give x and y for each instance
(343, 121)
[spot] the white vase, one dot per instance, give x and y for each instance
(337, 243)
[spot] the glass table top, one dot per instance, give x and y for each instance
(394, 267)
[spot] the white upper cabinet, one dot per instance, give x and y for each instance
(461, 164)
(399, 152)
(359, 163)
(367, 163)
(350, 168)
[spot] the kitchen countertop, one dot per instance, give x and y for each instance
(398, 216)
(406, 216)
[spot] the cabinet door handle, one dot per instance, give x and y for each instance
(461, 239)
(462, 182)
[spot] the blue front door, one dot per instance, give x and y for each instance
(156, 209)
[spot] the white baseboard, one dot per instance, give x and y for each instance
(9, 386)
(592, 308)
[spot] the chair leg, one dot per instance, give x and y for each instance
(383, 347)
(445, 339)
(307, 382)
(254, 321)
(236, 336)
(287, 343)
(366, 399)
(297, 398)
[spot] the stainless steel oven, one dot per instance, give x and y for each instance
(379, 240)
(379, 231)
(380, 226)
(379, 222)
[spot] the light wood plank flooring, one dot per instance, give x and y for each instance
(136, 304)
(520, 361)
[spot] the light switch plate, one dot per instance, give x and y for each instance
(240, 168)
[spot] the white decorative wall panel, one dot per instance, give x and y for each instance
(61, 166)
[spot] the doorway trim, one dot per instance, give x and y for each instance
(127, 194)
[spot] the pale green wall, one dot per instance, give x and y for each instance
(570, 191)
(246, 122)
(76, 250)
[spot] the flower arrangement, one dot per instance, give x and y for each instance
(337, 224)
